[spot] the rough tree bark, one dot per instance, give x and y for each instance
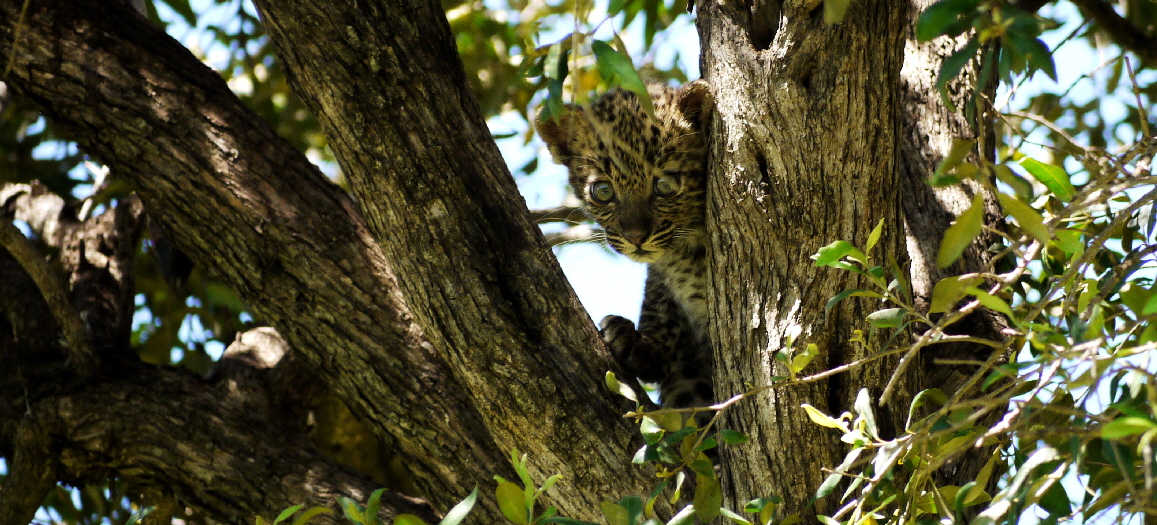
(821, 132)
(503, 355)
(432, 306)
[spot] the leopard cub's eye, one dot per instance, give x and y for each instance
(666, 185)
(602, 192)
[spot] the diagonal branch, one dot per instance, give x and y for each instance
(1122, 31)
(55, 294)
(244, 204)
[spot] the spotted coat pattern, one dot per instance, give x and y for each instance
(653, 212)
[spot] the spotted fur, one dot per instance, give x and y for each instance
(614, 141)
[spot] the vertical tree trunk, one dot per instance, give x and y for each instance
(813, 143)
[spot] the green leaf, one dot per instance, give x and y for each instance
(1126, 426)
(408, 519)
(874, 237)
(372, 506)
(512, 502)
(1056, 501)
(650, 430)
(1020, 185)
(285, 514)
(886, 318)
(756, 505)
(732, 437)
(459, 512)
(140, 514)
(961, 233)
(947, 17)
(991, 302)
(947, 292)
(801, 360)
(1069, 241)
(351, 509)
(731, 515)
(614, 513)
(617, 69)
(1026, 216)
(835, 10)
(956, 154)
(555, 66)
(181, 7)
(835, 251)
(1037, 54)
(1053, 177)
(311, 513)
(857, 292)
(708, 497)
(952, 65)
(546, 485)
(634, 506)
(828, 485)
(619, 388)
(670, 421)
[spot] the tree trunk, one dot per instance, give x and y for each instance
(459, 340)
(429, 302)
(813, 143)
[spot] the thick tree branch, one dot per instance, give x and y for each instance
(1122, 31)
(55, 293)
(203, 443)
(241, 202)
(388, 88)
(31, 474)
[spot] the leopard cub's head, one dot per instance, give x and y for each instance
(642, 179)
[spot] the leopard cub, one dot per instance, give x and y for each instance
(643, 180)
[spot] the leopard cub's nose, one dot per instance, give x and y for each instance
(636, 236)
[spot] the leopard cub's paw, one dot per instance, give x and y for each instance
(618, 333)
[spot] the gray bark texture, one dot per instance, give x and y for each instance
(821, 131)
(425, 298)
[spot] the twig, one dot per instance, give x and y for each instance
(55, 294)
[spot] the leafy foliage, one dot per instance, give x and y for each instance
(1073, 276)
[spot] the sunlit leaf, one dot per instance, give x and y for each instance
(835, 251)
(961, 233)
(874, 237)
(886, 318)
(617, 69)
(708, 497)
(408, 519)
(947, 17)
(1026, 216)
(511, 501)
(822, 419)
(459, 511)
(614, 513)
(1126, 426)
(1053, 177)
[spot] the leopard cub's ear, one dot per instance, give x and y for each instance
(557, 130)
(696, 103)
